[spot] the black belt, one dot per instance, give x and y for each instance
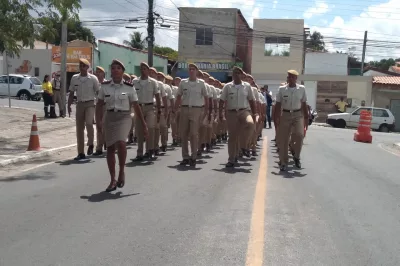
(117, 111)
(56, 89)
(85, 101)
(291, 111)
(192, 106)
(240, 109)
(144, 104)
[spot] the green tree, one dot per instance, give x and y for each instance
(166, 51)
(384, 64)
(50, 30)
(136, 41)
(18, 28)
(316, 41)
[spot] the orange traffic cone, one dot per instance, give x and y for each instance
(34, 144)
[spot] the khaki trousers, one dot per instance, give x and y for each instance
(100, 134)
(178, 123)
(253, 139)
(84, 118)
(161, 131)
(131, 131)
(189, 129)
(209, 129)
(240, 128)
(216, 127)
(150, 119)
(174, 129)
(57, 99)
(291, 128)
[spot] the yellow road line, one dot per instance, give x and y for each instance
(255, 248)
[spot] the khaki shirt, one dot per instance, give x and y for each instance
(214, 93)
(170, 95)
(237, 96)
(261, 98)
(118, 96)
(255, 92)
(192, 92)
(146, 89)
(175, 91)
(291, 98)
(86, 87)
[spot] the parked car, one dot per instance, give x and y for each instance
(382, 119)
(23, 87)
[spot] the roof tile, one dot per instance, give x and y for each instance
(386, 80)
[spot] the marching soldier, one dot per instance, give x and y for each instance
(127, 77)
(169, 101)
(239, 98)
(132, 137)
(292, 99)
(100, 74)
(118, 97)
(86, 87)
(147, 90)
(171, 116)
(177, 135)
(193, 95)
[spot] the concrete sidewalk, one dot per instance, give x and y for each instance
(55, 135)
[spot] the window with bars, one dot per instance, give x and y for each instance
(204, 36)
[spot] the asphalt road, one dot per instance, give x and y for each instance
(341, 209)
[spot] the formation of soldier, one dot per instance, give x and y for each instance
(200, 110)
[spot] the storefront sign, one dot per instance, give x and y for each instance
(212, 66)
(73, 54)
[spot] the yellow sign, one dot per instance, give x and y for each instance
(73, 54)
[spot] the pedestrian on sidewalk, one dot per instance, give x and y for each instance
(48, 98)
(86, 87)
(118, 96)
(56, 83)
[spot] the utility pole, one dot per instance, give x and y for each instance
(363, 53)
(150, 34)
(8, 80)
(64, 31)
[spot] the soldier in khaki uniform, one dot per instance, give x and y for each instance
(193, 95)
(292, 99)
(132, 137)
(239, 99)
(100, 74)
(162, 130)
(176, 136)
(204, 122)
(118, 97)
(147, 90)
(86, 87)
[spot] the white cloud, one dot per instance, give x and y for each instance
(320, 8)
(274, 4)
(385, 29)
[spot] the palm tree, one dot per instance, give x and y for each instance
(316, 41)
(136, 41)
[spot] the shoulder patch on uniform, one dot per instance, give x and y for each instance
(106, 82)
(128, 83)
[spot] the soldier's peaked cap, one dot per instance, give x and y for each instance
(193, 65)
(144, 64)
(117, 62)
(238, 68)
(293, 72)
(84, 61)
(101, 69)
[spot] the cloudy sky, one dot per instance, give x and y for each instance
(342, 22)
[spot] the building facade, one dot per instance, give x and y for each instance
(129, 56)
(278, 45)
(215, 39)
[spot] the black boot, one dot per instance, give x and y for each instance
(53, 112)
(46, 112)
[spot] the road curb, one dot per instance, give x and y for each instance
(34, 155)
